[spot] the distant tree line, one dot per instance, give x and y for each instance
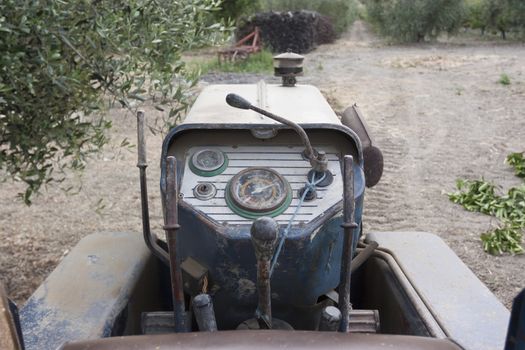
(417, 20)
(496, 15)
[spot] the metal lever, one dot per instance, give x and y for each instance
(171, 226)
(149, 238)
(318, 160)
(264, 238)
(204, 314)
(349, 227)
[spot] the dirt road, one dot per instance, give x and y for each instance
(436, 111)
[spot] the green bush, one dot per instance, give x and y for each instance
(342, 12)
(496, 15)
(59, 61)
(415, 20)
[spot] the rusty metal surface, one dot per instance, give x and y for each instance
(149, 238)
(349, 228)
(268, 340)
(172, 226)
(264, 238)
(85, 294)
(364, 321)
(193, 275)
(363, 255)
(464, 308)
(8, 334)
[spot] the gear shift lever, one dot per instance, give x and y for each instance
(264, 238)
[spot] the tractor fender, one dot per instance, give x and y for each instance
(372, 156)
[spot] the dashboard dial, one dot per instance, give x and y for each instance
(255, 192)
(208, 162)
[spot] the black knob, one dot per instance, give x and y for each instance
(237, 101)
(264, 236)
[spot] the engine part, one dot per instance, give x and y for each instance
(204, 314)
(330, 319)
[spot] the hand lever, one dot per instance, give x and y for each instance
(264, 238)
(318, 160)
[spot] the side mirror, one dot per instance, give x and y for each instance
(516, 332)
(10, 331)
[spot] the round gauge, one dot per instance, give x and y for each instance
(256, 192)
(208, 162)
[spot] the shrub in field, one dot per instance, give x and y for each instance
(60, 60)
(342, 13)
(415, 20)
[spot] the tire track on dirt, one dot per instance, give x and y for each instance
(437, 113)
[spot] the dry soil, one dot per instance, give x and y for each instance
(436, 110)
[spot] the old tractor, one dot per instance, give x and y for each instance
(262, 191)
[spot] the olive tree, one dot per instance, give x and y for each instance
(61, 61)
(415, 20)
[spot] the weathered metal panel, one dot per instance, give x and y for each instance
(463, 306)
(294, 170)
(301, 104)
(84, 295)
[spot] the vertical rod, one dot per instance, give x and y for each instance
(171, 226)
(264, 291)
(142, 165)
(204, 314)
(264, 237)
(348, 242)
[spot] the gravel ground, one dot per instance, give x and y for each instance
(436, 111)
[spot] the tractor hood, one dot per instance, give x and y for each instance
(303, 104)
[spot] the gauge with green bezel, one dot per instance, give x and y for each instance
(256, 192)
(208, 162)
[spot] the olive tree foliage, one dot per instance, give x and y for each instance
(415, 20)
(62, 61)
(496, 15)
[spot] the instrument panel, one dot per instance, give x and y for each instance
(234, 185)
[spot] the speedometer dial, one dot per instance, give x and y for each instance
(256, 192)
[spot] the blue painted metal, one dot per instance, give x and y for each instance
(308, 267)
(83, 297)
